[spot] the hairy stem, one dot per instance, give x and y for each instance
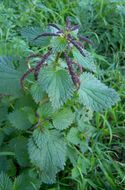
(76, 44)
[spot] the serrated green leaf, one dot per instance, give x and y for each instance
(96, 95)
(37, 92)
(32, 32)
(7, 60)
(72, 154)
(7, 166)
(19, 146)
(3, 164)
(19, 120)
(87, 62)
(47, 151)
(25, 101)
(63, 119)
(9, 79)
(8, 130)
(5, 182)
(30, 113)
(7, 50)
(47, 178)
(25, 182)
(57, 83)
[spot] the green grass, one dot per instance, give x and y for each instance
(103, 21)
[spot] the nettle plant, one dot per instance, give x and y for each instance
(46, 121)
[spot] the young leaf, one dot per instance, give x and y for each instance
(58, 44)
(47, 151)
(57, 83)
(72, 154)
(95, 94)
(73, 136)
(86, 62)
(45, 110)
(19, 120)
(63, 119)
(5, 182)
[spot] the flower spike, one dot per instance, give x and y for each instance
(37, 68)
(54, 26)
(85, 39)
(46, 34)
(68, 23)
(75, 27)
(74, 76)
(74, 42)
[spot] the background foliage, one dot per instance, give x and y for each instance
(103, 22)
